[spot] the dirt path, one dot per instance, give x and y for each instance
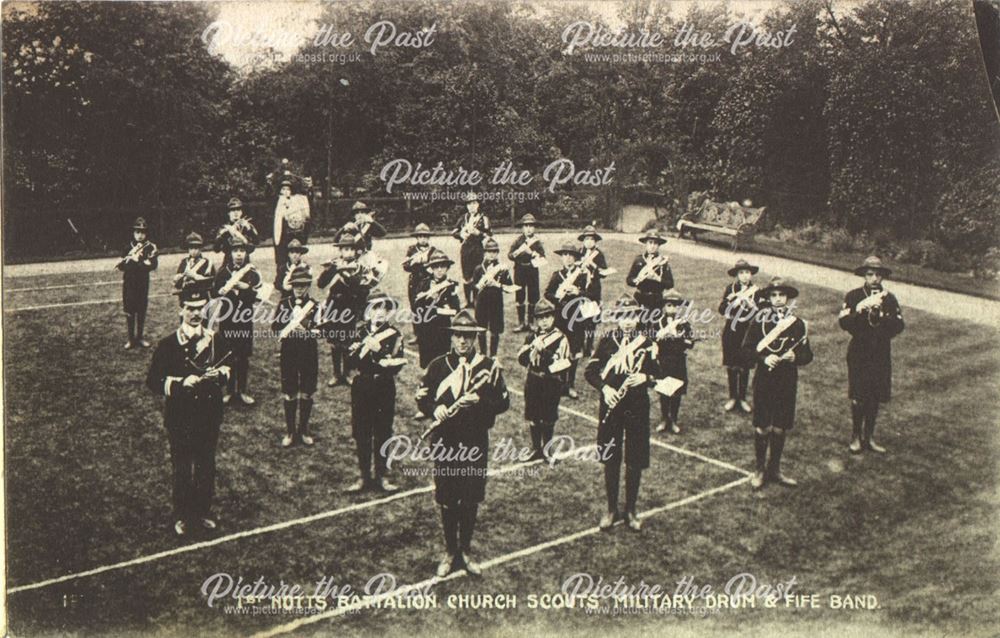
(940, 302)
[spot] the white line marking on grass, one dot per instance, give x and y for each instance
(62, 286)
(493, 562)
(76, 303)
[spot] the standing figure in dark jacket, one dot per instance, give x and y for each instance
(239, 227)
(368, 228)
(674, 337)
(378, 355)
(546, 355)
(873, 317)
(415, 264)
(740, 302)
(236, 287)
(622, 369)
(472, 230)
(565, 291)
(195, 269)
(778, 342)
(595, 264)
(527, 253)
(140, 259)
(650, 275)
(296, 321)
(345, 299)
(188, 368)
(464, 391)
(437, 302)
(491, 279)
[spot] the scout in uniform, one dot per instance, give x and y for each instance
(140, 259)
(491, 278)
(472, 229)
(291, 221)
(238, 284)
(239, 227)
(195, 269)
(546, 354)
(378, 354)
(527, 253)
(415, 264)
(189, 369)
(345, 299)
(295, 322)
(565, 292)
(650, 275)
(778, 342)
(296, 261)
(674, 337)
(596, 266)
(740, 302)
(464, 391)
(437, 302)
(622, 369)
(368, 228)
(872, 316)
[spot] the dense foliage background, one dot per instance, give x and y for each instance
(875, 123)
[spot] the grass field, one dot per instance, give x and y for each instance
(88, 486)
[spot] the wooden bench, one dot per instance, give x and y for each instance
(730, 219)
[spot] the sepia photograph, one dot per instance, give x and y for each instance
(500, 318)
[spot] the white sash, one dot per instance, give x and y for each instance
(298, 314)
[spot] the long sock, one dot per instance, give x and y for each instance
(305, 410)
(857, 419)
(520, 314)
(612, 480)
(742, 382)
(232, 385)
(548, 431)
(732, 375)
(449, 523)
(777, 445)
(632, 476)
(338, 368)
(665, 408)
(870, 415)
(494, 344)
(536, 437)
(675, 407)
(467, 525)
(529, 314)
(130, 320)
(243, 367)
(760, 449)
(140, 324)
(571, 375)
(290, 407)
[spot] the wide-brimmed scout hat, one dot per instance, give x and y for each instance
(625, 305)
(439, 258)
(568, 249)
(589, 231)
(234, 204)
(347, 240)
(422, 230)
(527, 220)
(872, 263)
(295, 246)
(301, 275)
(465, 322)
(653, 235)
(672, 297)
(491, 245)
(544, 308)
(742, 264)
(242, 244)
(779, 284)
(140, 224)
(380, 298)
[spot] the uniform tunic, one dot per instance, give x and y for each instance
(525, 273)
(433, 338)
(224, 238)
(673, 340)
(594, 261)
(489, 300)
(236, 320)
(368, 230)
(542, 388)
(299, 352)
(649, 291)
(472, 245)
(345, 301)
(200, 266)
(627, 424)
(568, 303)
(869, 354)
(135, 276)
(373, 392)
(774, 391)
(462, 481)
(192, 416)
(416, 257)
(738, 315)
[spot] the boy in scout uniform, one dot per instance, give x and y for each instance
(239, 227)
(546, 355)
(415, 264)
(491, 278)
(740, 302)
(778, 342)
(140, 259)
(472, 229)
(674, 337)
(195, 269)
(595, 264)
(189, 369)
(296, 261)
(296, 322)
(565, 293)
(345, 300)
(871, 314)
(527, 252)
(650, 275)
(464, 391)
(238, 284)
(437, 302)
(378, 355)
(622, 369)
(368, 228)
